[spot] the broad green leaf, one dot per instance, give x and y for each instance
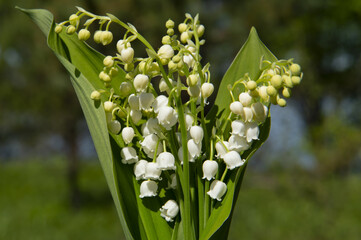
(247, 61)
(84, 64)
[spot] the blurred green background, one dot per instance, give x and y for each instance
(304, 183)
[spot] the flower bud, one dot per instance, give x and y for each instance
(165, 52)
(83, 35)
(251, 85)
(217, 190)
(104, 77)
(166, 40)
(170, 31)
(200, 30)
(58, 28)
(109, 106)
(141, 82)
(271, 91)
(232, 160)
(169, 24)
(260, 112)
(276, 81)
(121, 45)
(295, 80)
(281, 102)
(172, 66)
(106, 37)
(74, 19)
(128, 134)
(139, 169)
(127, 55)
(97, 36)
(295, 69)
(182, 27)
(210, 169)
(245, 99)
(196, 133)
(236, 108)
(262, 91)
(148, 189)
(70, 29)
(152, 171)
(169, 210)
(114, 127)
(136, 116)
(287, 80)
(286, 92)
(166, 161)
(108, 61)
(189, 60)
(95, 95)
(193, 79)
(129, 155)
(185, 36)
(207, 89)
(125, 89)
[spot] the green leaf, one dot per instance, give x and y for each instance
(247, 61)
(84, 64)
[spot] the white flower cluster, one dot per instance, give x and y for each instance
(155, 115)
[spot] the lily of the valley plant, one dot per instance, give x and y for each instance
(174, 171)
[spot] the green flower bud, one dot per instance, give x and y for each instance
(74, 19)
(184, 37)
(176, 58)
(182, 27)
(95, 95)
(271, 91)
(169, 24)
(281, 102)
(262, 91)
(83, 35)
(104, 77)
(180, 65)
(97, 36)
(192, 79)
(106, 37)
(172, 66)
(114, 127)
(276, 81)
(58, 29)
(166, 40)
(251, 85)
(70, 29)
(200, 30)
(296, 80)
(194, 91)
(113, 71)
(164, 61)
(295, 69)
(125, 89)
(170, 31)
(129, 67)
(207, 89)
(287, 80)
(286, 92)
(109, 106)
(108, 61)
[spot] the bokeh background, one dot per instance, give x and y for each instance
(304, 183)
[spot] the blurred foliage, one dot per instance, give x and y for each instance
(280, 204)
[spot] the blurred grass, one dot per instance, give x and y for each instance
(282, 204)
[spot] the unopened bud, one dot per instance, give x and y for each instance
(83, 35)
(109, 106)
(200, 30)
(286, 92)
(125, 89)
(236, 108)
(276, 81)
(166, 40)
(184, 37)
(127, 55)
(104, 77)
(95, 95)
(74, 19)
(295, 80)
(251, 85)
(194, 91)
(182, 27)
(108, 61)
(141, 82)
(295, 69)
(169, 24)
(114, 127)
(287, 80)
(172, 66)
(106, 37)
(192, 79)
(58, 28)
(170, 31)
(70, 29)
(166, 52)
(113, 71)
(271, 91)
(97, 36)
(281, 102)
(207, 89)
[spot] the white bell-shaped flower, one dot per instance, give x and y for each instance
(169, 210)
(129, 155)
(127, 55)
(160, 101)
(139, 169)
(247, 115)
(236, 108)
(252, 131)
(167, 117)
(114, 126)
(245, 99)
(121, 45)
(239, 128)
(222, 149)
(152, 171)
(260, 111)
(189, 121)
(150, 126)
(128, 134)
(149, 144)
(166, 52)
(189, 60)
(133, 101)
(109, 106)
(233, 160)
(172, 184)
(166, 161)
(238, 143)
(141, 82)
(148, 189)
(217, 190)
(194, 148)
(135, 115)
(163, 86)
(181, 158)
(146, 101)
(210, 169)
(262, 91)
(207, 89)
(196, 133)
